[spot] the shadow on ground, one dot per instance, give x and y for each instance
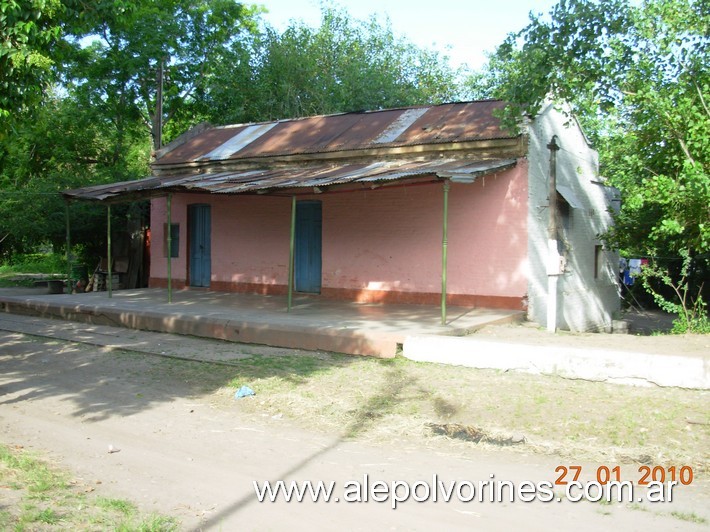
(94, 383)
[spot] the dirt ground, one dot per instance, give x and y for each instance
(183, 448)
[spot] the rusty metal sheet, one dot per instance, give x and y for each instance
(264, 180)
(457, 123)
(453, 122)
(243, 138)
(201, 144)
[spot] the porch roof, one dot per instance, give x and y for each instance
(280, 179)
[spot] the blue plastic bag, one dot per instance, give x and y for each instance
(244, 391)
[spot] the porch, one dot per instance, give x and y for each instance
(313, 323)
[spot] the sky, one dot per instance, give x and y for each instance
(462, 29)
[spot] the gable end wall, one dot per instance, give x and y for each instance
(585, 302)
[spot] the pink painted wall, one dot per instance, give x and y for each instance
(391, 239)
(250, 238)
(158, 218)
(374, 240)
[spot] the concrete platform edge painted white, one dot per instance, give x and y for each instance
(620, 367)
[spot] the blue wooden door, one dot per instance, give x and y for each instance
(200, 245)
(307, 257)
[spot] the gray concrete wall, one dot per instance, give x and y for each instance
(587, 293)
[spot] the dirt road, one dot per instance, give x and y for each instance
(182, 454)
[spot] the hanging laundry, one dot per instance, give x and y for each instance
(628, 280)
(623, 265)
(635, 267)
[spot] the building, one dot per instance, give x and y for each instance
(430, 205)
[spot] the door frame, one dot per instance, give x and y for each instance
(191, 221)
(315, 264)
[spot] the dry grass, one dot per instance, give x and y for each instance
(396, 400)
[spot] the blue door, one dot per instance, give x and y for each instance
(307, 257)
(200, 246)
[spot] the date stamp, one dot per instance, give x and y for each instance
(644, 476)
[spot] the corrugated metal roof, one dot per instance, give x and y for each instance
(274, 179)
(446, 123)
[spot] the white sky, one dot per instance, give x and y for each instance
(463, 29)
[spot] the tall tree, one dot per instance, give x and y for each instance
(343, 65)
(28, 31)
(132, 44)
(639, 77)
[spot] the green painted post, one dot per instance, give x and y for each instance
(66, 212)
(290, 253)
(170, 248)
(109, 281)
(444, 251)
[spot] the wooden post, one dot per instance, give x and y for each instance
(444, 251)
(292, 247)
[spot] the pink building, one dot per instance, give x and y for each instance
(393, 206)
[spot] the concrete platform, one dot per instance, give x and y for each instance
(313, 323)
(601, 365)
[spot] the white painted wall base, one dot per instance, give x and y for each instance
(619, 367)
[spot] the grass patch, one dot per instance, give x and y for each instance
(119, 505)
(691, 517)
(37, 495)
(34, 263)
(11, 269)
(387, 400)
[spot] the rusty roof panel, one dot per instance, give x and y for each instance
(454, 122)
(201, 144)
(264, 180)
(319, 134)
(399, 126)
(242, 138)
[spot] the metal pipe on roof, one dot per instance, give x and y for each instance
(292, 241)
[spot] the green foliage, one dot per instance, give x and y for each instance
(690, 308)
(344, 65)
(35, 263)
(116, 73)
(57, 146)
(638, 77)
(28, 29)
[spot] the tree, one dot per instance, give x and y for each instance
(97, 125)
(638, 76)
(28, 30)
(59, 145)
(133, 43)
(343, 65)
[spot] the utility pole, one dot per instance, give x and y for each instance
(158, 118)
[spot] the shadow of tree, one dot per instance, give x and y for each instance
(94, 383)
(380, 403)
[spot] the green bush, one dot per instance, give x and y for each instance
(35, 263)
